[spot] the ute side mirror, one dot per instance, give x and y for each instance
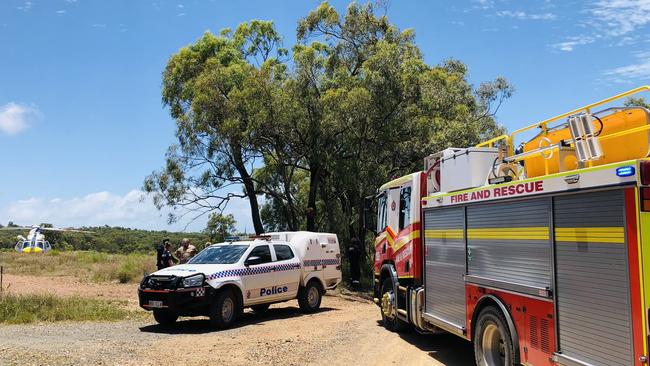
(252, 260)
(369, 214)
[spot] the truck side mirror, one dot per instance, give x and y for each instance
(252, 260)
(369, 214)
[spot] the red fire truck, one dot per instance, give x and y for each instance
(537, 254)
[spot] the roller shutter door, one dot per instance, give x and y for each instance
(445, 264)
(510, 242)
(593, 291)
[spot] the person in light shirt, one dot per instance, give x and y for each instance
(185, 251)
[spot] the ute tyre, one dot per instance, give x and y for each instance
(224, 310)
(261, 308)
(310, 297)
(165, 317)
(492, 342)
(392, 322)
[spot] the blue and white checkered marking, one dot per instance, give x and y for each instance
(240, 272)
(321, 262)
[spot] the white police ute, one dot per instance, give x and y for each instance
(223, 279)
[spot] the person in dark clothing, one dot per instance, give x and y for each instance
(354, 256)
(160, 249)
(167, 257)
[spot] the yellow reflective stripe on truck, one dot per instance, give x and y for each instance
(510, 233)
(614, 235)
(444, 234)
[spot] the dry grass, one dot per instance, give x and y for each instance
(85, 265)
(22, 309)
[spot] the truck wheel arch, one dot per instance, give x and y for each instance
(236, 290)
(388, 270)
(310, 277)
(491, 300)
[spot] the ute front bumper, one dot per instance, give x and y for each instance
(183, 301)
(168, 293)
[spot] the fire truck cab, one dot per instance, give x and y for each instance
(538, 255)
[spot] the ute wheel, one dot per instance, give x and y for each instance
(224, 310)
(389, 307)
(310, 296)
(492, 343)
(165, 317)
(261, 308)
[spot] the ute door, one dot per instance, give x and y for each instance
(287, 269)
(259, 276)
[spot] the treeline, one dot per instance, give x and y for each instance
(109, 239)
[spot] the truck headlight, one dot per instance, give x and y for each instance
(193, 281)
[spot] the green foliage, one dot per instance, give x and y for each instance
(109, 239)
(637, 102)
(219, 227)
(22, 309)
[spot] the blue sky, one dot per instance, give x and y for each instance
(82, 123)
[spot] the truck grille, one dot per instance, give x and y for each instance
(161, 283)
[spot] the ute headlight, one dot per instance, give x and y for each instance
(193, 281)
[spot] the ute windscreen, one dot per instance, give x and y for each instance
(221, 254)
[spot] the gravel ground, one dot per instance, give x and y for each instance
(346, 331)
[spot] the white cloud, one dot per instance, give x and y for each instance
(98, 25)
(180, 6)
(60, 11)
(572, 42)
(522, 15)
(483, 4)
(14, 118)
(181, 14)
(27, 5)
(620, 17)
(638, 71)
(134, 210)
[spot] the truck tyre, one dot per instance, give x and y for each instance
(310, 296)
(261, 308)
(224, 310)
(165, 317)
(388, 308)
(492, 342)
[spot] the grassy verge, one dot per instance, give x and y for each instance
(85, 265)
(23, 309)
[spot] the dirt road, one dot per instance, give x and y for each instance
(346, 331)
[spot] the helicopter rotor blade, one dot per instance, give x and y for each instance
(67, 230)
(16, 228)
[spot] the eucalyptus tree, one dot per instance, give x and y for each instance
(211, 90)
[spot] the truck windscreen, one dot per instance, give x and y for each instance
(221, 254)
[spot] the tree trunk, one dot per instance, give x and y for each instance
(314, 180)
(249, 188)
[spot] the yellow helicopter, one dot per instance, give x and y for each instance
(35, 241)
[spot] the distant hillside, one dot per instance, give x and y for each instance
(109, 239)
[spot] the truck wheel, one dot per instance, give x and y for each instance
(389, 307)
(261, 308)
(310, 296)
(165, 317)
(492, 343)
(224, 310)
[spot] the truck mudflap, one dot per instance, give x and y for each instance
(181, 301)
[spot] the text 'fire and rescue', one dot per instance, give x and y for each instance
(513, 190)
